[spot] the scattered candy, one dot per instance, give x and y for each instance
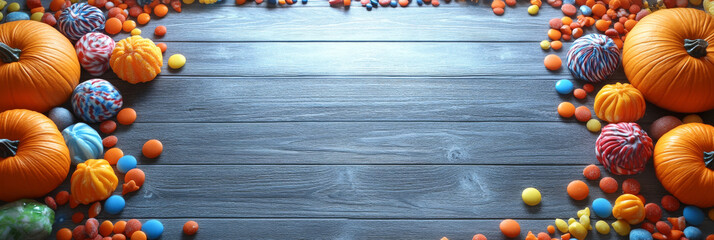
(160, 30)
(510, 228)
(128, 25)
(62, 198)
(533, 9)
(556, 45)
(37, 16)
(143, 18)
(711, 214)
(91, 227)
(591, 172)
(545, 44)
(602, 227)
(578, 190)
(162, 46)
(664, 228)
(640, 234)
(129, 187)
(648, 226)
(693, 233)
(177, 61)
(566, 109)
(694, 215)
(132, 226)
(138, 235)
(629, 207)
(564, 86)
(126, 116)
(602, 208)
(577, 230)
(113, 155)
(79, 232)
(678, 223)
(631, 186)
(152, 148)
(531, 196)
(593, 58)
(119, 226)
(568, 10)
(585, 10)
(106, 228)
(114, 205)
(551, 229)
(580, 93)
(191, 227)
(113, 26)
(552, 62)
(593, 125)
(135, 32)
(561, 225)
(64, 234)
(13, 7)
(108, 126)
(621, 227)
(17, 16)
(652, 212)
(126, 163)
(583, 114)
(77, 217)
(476, 237)
(692, 118)
(153, 229)
(94, 210)
(110, 141)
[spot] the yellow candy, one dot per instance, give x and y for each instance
(531, 196)
(585, 211)
(602, 227)
(13, 7)
(594, 125)
(1, 16)
(135, 32)
(545, 44)
(571, 221)
(578, 231)
(177, 61)
(533, 9)
(711, 214)
(2, 4)
(561, 225)
(621, 227)
(585, 221)
(188, 1)
(37, 16)
(692, 118)
(695, 2)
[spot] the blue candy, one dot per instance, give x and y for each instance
(693, 215)
(585, 10)
(640, 234)
(693, 233)
(602, 207)
(17, 16)
(564, 86)
(272, 2)
(61, 117)
(304, 1)
(572, 2)
(126, 163)
(593, 58)
(368, 6)
(393, 3)
(83, 142)
(153, 229)
(420, 2)
(96, 100)
(114, 204)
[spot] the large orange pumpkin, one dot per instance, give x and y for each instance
(136, 59)
(33, 157)
(684, 163)
(38, 66)
(669, 57)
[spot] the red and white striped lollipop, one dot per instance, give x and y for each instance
(623, 148)
(94, 50)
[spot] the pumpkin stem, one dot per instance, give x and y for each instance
(696, 48)
(8, 54)
(709, 159)
(8, 148)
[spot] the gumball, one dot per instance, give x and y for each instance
(93, 51)
(564, 86)
(96, 100)
(61, 117)
(79, 19)
(593, 58)
(693, 233)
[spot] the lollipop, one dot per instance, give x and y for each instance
(94, 50)
(79, 19)
(96, 100)
(623, 148)
(593, 58)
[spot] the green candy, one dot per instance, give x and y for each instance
(26, 219)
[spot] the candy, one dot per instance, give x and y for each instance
(652, 212)
(711, 214)
(692, 118)
(693, 233)
(533, 9)
(593, 58)
(623, 148)
(143, 18)
(591, 172)
(554, 34)
(79, 19)
(588, 87)
(91, 227)
(563, 86)
(545, 44)
(531, 236)
(602, 207)
(510, 228)
(96, 100)
(62, 198)
(119, 227)
(602, 227)
(138, 235)
(583, 212)
(556, 45)
(551, 229)
(128, 25)
(531, 196)
(578, 190)
(561, 225)
(161, 10)
(177, 61)
(108, 126)
(152, 148)
(583, 114)
(16, 16)
(568, 10)
(621, 227)
(77, 217)
(61, 117)
(566, 109)
(113, 26)
(162, 46)
(593, 125)
(160, 30)
(565, 236)
(629, 207)
(37, 16)
(640, 234)
(106, 228)
(126, 116)
(552, 62)
(114, 204)
(678, 223)
(648, 226)
(631, 186)
(132, 226)
(135, 32)
(476, 237)
(585, 10)
(585, 221)
(120, 236)
(126, 163)
(78, 232)
(94, 210)
(113, 155)
(571, 221)
(153, 229)
(577, 230)
(694, 215)
(64, 234)
(663, 125)
(191, 227)
(555, 23)
(663, 228)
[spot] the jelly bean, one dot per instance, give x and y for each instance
(62, 198)
(602, 207)
(126, 163)
(138, 235)
(135, 32)
(652, 212)
(568, 10)
(119, 227)
(128, 25)
(190, 228)
(106, 228)
(584, 212)
(585, 10)
(177, 61)
(554, 34)
(602, 227)
(663, 228)
(152, 148)
(593, 125)
(120, 236)
(629, 207)
(533, 9)
(545, 44)
(113, 155)
(13, 7)
(588, 88)
(64, 234)
(608, 185)
(510, 228)
(531, 196)
(694, 216)
(693, 233)
(552, 62)
(692, 118)
(563, 86)
(621, 227)
(580, 93)
(561, 225)
(160, 30)
(577, 230)
(78, 232)
(107, 127)
(551, 229)
(114, 204)
(631, 186)
(648, 226)
(126, 116)
(153, 229)
(571, 221)
(640, 234)
(511, 3)
(77, 217)
(578, 190)
(556, 45)
(94, 210)
(566, 109)
(582, 113)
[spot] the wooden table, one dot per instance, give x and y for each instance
(312, 122)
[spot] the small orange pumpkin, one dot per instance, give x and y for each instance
(629, 208)
(136, 59)
(33, 157)
(94, 180)
(38, 66)
(619, 103)
(684, 163)
(669, 57)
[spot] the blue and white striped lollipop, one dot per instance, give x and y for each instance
(593, 58)
(96, 100)
(79, 19)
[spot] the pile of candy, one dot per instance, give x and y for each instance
(134, 229)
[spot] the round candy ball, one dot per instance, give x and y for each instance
(96, 100)
(694, 215)
(663, 125)
(585, 10)
(564, 86)
(623, 148)
(153, 229)
(640, 234)
(61, 117)
(593, 125)
(126, 163)
(94, 50)
(693, 233)
(114, 204)
(79, 19)
(531, 196)
(602, 207)
(533, 9)
(593, 58)
(578, 190)
(17, 16)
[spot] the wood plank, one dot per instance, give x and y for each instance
(361, 192)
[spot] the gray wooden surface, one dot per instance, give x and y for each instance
(312, 122)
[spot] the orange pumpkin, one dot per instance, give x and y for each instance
(136, 59)
(38, 66)
(33, 157)
(94, 180)
(619, 103)
(669, 57)
(684, 163)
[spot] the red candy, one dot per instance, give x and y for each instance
(132, 226)
(569, 9)
(663, 228)
(77, 217)
(94, 210)
(608, 185)
(108, 126)
(50, 202)
(62, 198)
(482, 237)
(543, 236)
(648, 226)
(670, 203)
(78, 233)
(91, 227)
(556, 23)
(652, 212)
(631, 186)
(591, 172)
(110, 141)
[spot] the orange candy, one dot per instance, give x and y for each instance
(551, 229)
(110, 141)
(530, 236)
(582, 113)
(511, 3)
(135, 11)
(129, 187)
(556, 45)
(56, 5)
(566, 109)
(64, 234)
(118, 236)
(127, 115)
(498, 4)
(161, 10)
(190, 228)
(499, 11)
(106, 228)
(62, 198)
(510, 228)
(108, 127)
(599, 10)
(119, 227)
(113, 155)
(152, 148)
(162, 46)
(131, 227)
(137, 175)
(629, 207)
(138, 235)
(128, 25)
(602, 25)
(579, 93)
(552, 62)
(591, 172)
(629, 24)
(631, 186)
(77, 217)
(94, 210)
(554, 34)
(113, 26)
(588, 88)
(143, 18)
(160, 30)
(578, 190)
(566, 20)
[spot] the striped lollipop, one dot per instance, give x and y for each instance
(96, 100)
(94, 50)
(593, 58)
(623, 148)
(79, 19)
